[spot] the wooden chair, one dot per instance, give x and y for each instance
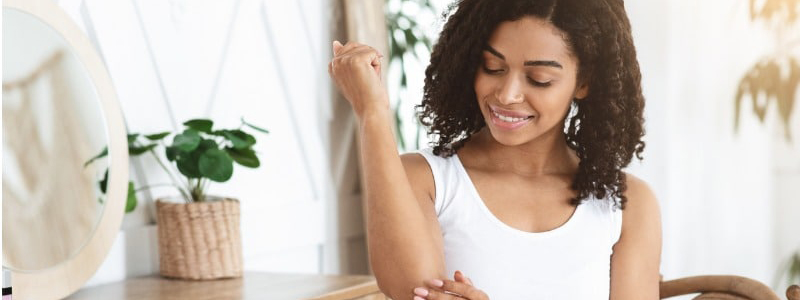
(723, 287)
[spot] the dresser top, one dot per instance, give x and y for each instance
(252, 285)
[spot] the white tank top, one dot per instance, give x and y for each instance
(572, 261)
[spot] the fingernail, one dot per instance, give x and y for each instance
(436, 282)
(421, 292)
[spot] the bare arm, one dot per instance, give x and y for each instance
(402, 232)
(637, 254)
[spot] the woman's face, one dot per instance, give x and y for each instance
(526, 81)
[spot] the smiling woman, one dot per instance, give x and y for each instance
(535, 67)
(535, 107)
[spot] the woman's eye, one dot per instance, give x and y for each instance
(530, 80)
(492, 71)
(538, 83)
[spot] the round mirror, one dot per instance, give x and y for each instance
(52, 124)
(64, 153)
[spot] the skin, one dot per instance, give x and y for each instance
(400, 189)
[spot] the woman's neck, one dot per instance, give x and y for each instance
(546, 155)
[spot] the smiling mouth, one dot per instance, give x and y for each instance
(508, 119)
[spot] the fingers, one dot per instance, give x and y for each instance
(459, 277)
(448, 289)
(357, 53)
(432, 294)
(336, 47)
(339, 49)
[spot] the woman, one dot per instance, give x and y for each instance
(535, 106)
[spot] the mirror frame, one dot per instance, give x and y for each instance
(67, 277)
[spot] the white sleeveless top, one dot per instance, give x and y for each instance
(572, 261)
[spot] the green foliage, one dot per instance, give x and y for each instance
(102, 154)
(405, 35)
(130, 203)
(789, 270)
(201, 125)
(199, 153)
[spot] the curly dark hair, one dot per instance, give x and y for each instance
(604, 129)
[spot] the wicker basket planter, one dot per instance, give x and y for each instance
(199, 240)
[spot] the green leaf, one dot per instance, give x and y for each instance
(134, 150)
(132, 137)
(216, 165)
(99, 156)
(245, 157)
(172, 153)
(395, 49)
(238, 138)
(189, 162)
(254, 126)
(157, 136)
(202, 125)
(411, 39)
(104, 183)
(188, 167)
(187, 141)
(130, 204)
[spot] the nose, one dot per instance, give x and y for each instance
(509, 91)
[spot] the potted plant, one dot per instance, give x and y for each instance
(198, 235)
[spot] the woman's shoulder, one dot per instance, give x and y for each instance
(415, 162)
(642, 205)
(419, 173)
(638, 191)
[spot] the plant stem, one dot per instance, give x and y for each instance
(198, 190)
(171, 176)
(157, 185)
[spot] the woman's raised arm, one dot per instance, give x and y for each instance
(403, 234)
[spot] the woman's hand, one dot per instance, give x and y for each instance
(461, 288)
(356, 69)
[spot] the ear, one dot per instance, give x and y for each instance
(582, 91)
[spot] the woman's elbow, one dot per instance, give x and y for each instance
(399, 284)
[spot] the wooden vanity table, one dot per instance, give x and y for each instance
(252, 285)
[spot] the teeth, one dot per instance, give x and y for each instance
(507, 118)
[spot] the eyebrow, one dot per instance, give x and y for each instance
(543, 63)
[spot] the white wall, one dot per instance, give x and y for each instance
(263, 60)
(729, 200)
